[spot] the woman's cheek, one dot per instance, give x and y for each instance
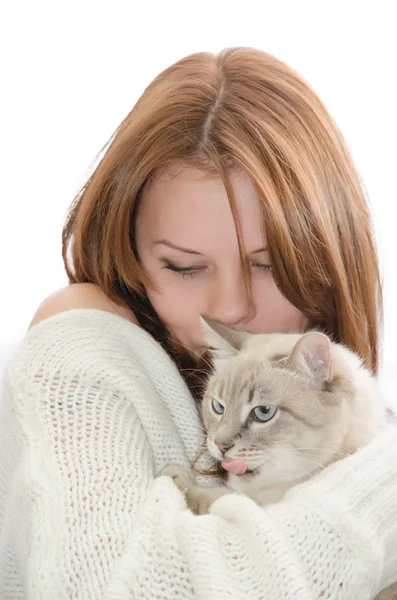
(275, 314)
(179, 310)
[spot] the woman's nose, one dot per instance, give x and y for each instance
(230, 304)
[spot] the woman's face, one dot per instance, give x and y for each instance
(187, 242)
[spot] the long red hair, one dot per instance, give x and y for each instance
(241, 109)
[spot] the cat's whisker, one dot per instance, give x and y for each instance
(331, 447)
(316, 448)
(302, 471)
(313, 462)
(325, 449)
(193, 371)
(199, 356)
(305, 473)
(284, 477)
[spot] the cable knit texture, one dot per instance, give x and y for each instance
(92, 406)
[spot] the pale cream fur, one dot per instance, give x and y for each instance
(328, 406)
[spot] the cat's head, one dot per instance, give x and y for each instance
(280, 403)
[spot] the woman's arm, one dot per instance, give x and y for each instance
(82, 515)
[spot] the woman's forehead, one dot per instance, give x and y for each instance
(189, 205)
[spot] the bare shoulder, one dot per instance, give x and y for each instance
(79, 295)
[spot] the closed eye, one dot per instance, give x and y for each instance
(183, 271)
(193, 271)
(264, 267)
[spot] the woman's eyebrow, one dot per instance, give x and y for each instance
(190, 251)
(175, 247)
(264, 249)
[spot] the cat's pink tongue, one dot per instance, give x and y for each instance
(236, 467)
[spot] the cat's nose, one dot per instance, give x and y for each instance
(223, 447)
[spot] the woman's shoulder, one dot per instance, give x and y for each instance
(80, 327)
(79, 332)
(79, 295)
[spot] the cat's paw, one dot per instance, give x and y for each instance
(198, 501)
(182, 478)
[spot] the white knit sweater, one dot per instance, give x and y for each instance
(91, 407)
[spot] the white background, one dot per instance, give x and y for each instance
(70, 72)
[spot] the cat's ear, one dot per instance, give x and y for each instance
(312, 356)
(222, 341)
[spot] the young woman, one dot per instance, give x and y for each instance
(228, 191)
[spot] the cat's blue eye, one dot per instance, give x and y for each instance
(264, 413)
(218, 408)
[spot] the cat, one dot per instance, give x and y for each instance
(277, 409)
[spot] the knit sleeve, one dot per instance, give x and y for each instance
(82, 515)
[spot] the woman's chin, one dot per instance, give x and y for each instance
(200, 350)
(196, 350)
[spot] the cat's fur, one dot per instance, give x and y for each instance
(328, 406)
